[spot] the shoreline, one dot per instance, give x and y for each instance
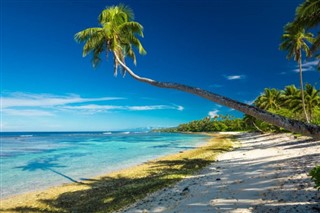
(267, 173)
(64, 172)
(33, 201)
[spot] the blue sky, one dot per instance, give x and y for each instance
(228, 47)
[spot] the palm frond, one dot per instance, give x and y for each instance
(316, 44)
(132, 27)
(117, 34)
(94, 42)
(84, 35)
(308, 13)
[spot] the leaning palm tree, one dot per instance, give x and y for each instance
(294, 40)
(308, 16)
(117, 34)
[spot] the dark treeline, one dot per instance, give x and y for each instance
(286, 102)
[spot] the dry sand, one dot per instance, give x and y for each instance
(267, 173)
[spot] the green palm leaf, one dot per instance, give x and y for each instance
(117, 34)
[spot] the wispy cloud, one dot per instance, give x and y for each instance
(235, 77)
(308, 66)
(46, 100)
(105, 108)
(213, 113)
(311, 63)
(304, 69)
(24, 104)
(152, 107)
(27, 113)
(249, 102)
(180, 108)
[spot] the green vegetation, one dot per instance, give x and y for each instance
(288, 103)
(285, 102)
(219, 123)
(118, 33)
(295, 41)
(308, 16)
(122, 188)
(315, 176)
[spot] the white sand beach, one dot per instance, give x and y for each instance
(267, 173)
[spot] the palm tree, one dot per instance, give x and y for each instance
(117, 34)
(312, 99)
(289, 95)
(294, 41)
(308, 16)
(269, 99)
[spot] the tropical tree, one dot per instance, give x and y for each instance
(117, 34)
(308, 16)
(269, 99)
(294, 40)
(312, 100)
(289, 95)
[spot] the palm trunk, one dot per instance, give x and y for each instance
(302, 91)
(277, 120)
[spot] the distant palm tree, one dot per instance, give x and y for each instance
(294, 40)
(312, 99)
(289, 95)
(308, 16)
(269, 99)
(117, 35)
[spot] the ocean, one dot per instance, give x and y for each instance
(38, 160)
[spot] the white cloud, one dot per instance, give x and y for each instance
(24, 104)
(101, 108)
(180, 108)
(213, 113)
(235, 77)
(249, 102)
(311, 63)
(46, 100)
(92, 107)
(304, 69)
(147, 108)
(308, 66)
(27, 113)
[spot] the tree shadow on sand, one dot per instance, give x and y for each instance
(106, 194)
(47, 164)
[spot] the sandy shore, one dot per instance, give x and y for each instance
(268, 173)
(121, 188)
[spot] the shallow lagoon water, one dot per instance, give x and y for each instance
(31, 161)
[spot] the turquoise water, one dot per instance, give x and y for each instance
(31, 161)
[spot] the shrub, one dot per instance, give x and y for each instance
(315, 176)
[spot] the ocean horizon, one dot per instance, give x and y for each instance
(38, 160)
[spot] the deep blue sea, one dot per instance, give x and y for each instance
(38, 160)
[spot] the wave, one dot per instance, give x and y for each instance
(24, 136)
(107, 133)
(125, 133)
